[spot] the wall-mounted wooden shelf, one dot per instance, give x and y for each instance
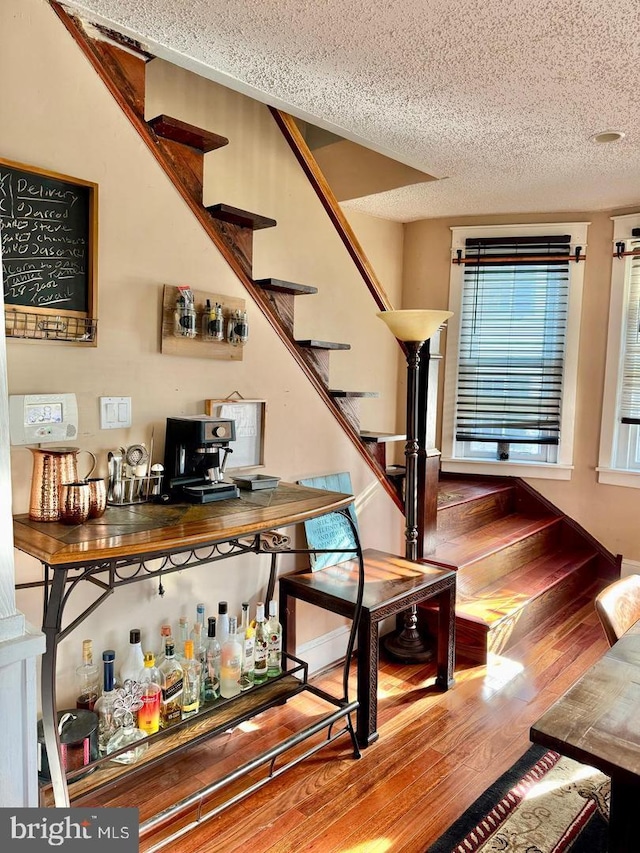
(198, 347)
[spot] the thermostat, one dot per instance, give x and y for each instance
(42, 418)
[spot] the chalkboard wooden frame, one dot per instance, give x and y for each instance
(25, 302)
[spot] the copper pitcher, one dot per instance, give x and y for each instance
(52, 467)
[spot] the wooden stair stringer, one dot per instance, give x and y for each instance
(123, 75)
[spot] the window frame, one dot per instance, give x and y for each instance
(609, 470)
(560, 469)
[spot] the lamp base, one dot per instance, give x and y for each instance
(408, 646)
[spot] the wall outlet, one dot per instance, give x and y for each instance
(115, 412)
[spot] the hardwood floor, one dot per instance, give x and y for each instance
(436, 753)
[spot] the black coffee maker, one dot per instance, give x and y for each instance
(195, 456)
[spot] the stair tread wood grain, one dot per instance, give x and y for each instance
(243, 218)
(453, 491)
(281, 286)
(466, 549)
(310, 343)
(187, 134)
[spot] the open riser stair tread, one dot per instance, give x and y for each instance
(242, 218)
(187, 134)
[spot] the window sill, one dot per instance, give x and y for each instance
(619, 477)
(539, 471)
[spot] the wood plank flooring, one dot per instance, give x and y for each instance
(436, 753)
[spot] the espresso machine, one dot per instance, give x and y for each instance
(195, 456)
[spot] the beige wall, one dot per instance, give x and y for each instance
(61, 117)
(610, 513)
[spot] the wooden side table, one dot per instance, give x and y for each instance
(392, 584)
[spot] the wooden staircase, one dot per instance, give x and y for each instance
(180, 148)
(518, 558)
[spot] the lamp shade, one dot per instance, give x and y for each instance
(414, 325)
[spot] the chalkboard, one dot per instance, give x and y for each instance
(48, 228)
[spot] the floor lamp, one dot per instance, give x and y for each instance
(412, 329)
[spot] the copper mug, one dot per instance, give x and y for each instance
(74, 502)
(53, 466)
(97, 496)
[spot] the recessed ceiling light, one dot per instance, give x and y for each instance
(608, 136)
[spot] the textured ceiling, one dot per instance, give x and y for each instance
(497, 99)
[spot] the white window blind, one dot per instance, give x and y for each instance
(630, 383)
(512, 339)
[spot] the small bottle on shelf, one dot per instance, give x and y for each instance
(211, 680)
(247, 637)
(231, 662)
(88, 678)
(274, 632)
(183, 636)
(191, 673)
(171, 682)
(165, 634)
(223, 622)
(261, 646)
(150, 681)
(134, 661)
(104, 707)
(200, 611)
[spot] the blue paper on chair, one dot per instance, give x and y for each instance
(332, 530)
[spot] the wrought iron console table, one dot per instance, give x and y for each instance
(134, 543)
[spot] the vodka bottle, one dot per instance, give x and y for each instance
(247, 638)
(171, 682)
(231, 662)
(134, 661)
(150, 681)
(104, 707)
(191, 672)
(88, 679)
(223, 622)
(261, 646)
(211, 680)
(274, 631)
(183, 635)
(200, 608)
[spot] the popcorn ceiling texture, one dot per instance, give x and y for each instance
(499, 99)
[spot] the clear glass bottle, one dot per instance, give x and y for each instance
(185, 324)
(207, 321)
(247, 637)
(231, 662)
(200, 611)
(171, 682)
(223, 622)
(274, 649)
(88, 676)
(211, 680)
(126, 706)
(183, 636)
(150, 682)
(134, 661)
(165, 635)
(104, 707)
(261, 646)
(191, 674)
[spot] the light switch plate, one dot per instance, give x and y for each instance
(115, 412)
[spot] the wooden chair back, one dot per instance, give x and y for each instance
(618, 607)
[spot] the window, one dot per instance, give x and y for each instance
(620, 435)
(512, 349)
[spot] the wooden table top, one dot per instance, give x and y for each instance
(597, 721)
(149, 528)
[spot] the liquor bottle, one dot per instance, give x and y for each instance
(261, 646)
(104, 707)
(223, 622)
(199, 645)
(150, 681)
(231, 662)
(127, 704)
(165, 634)
(274, 631)
(134, 661)
(191, 673)
(88, 678)
(183, 636)
(171, 682)
(247, 638)
(200, 608)
(211, 680)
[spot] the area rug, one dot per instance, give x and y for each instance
(545, 803)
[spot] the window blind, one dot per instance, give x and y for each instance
(630, 390)
(512, 339)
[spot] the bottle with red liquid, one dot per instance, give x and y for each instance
(88, 679)
(150, 680)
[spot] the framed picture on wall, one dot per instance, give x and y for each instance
(249, 417)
